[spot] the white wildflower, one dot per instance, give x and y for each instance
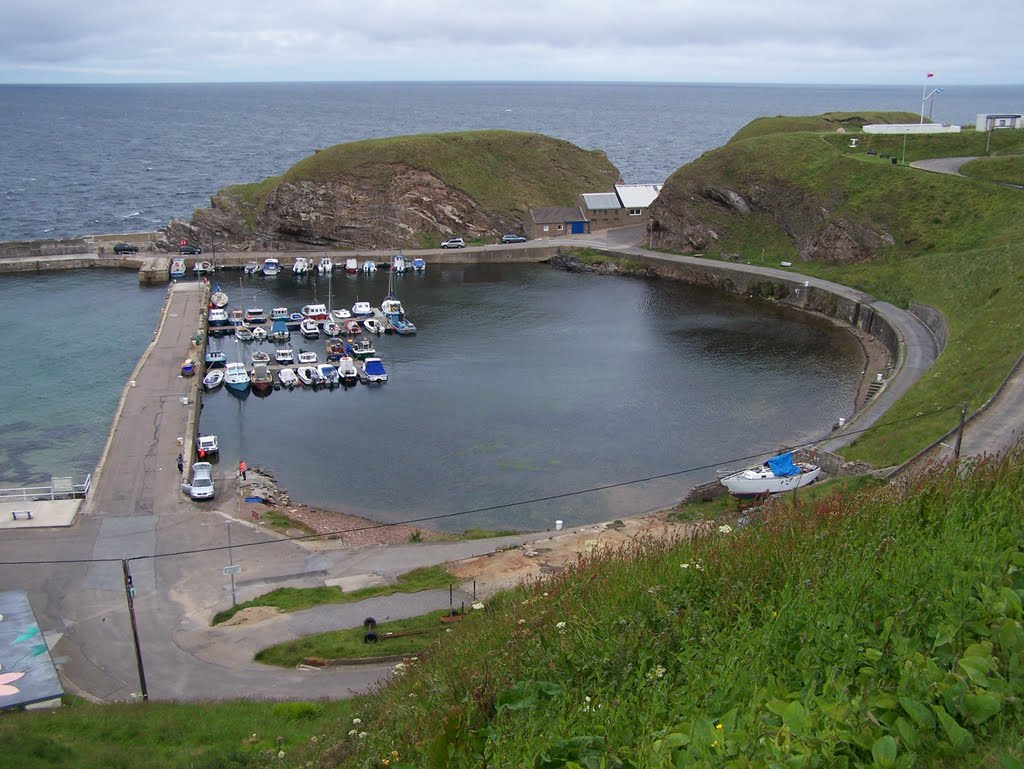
(280, 754)
(478, 605)
(362, 735)
(560, 627)
(684, 565)
(351, 732)
(725, 529)
(357, 721)
(522, 622)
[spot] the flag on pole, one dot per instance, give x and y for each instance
(931, 74)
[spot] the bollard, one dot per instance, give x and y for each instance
(558, 525)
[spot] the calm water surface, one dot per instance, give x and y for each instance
(526, 382)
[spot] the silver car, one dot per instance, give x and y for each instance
(201, 486)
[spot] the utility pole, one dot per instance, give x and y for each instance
(129, 592)
(960, 433)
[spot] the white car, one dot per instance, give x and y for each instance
(454, 243)
(207, 446)
(202, 482)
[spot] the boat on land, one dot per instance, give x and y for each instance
(284, 355)
(271, 267)
(362, 309)
(374, 326)
(369, 266)
(778, 474)
(287, 378)
(177, 269)
(261, 378)
(218, 298)
(215, 359)
(251, 268)
(309, 328)
(300, 266)
(236, 377)
(371, 371)
(351, 265)
(213, 380)
(325, 266)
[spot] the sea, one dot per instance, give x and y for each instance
(528, 395)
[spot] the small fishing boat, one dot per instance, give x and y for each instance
(363, 349)
(369, 266)
(251, 268)
(217, 321)
(362, 309)
(177, 269)
(202, 268)
(329, 374)
(215, 359)
(353, 327)
(347, 370)
(374, 326)
(398, 263)
(778, 474)
(332, 327)
(236, 378)
(237, 317)
(399, 324)
(279, 331)
(284, 355)
(309, 328)
(260, 357)
(351, 265)
(261, 379)
(259, 334)
(325, 266)
(307, 357)
(218, 298)
(394, 313)
(317, 312)
(300, 266)
(341, 314)
(243, 333)
(371, 371)
(255, 316)
(271, 267)
(287, 378)
(294, 321)
(418, 265)
(309, 375)
(279, 313)
(213, 380)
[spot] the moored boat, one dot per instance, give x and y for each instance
(307, 357)
(329, 374)
(332, 327)
(317, 312)
(218, 298)
(325, 266)
(353, 327)
(279, 331)
(778, 474)
(362, 309)
(260, 357)
(213, 380)
(309, 375)
(398, 263)
(363, 349)
(255, 316)
(177, 269)
(347, 370)
(294, 321)
(279, 313)
(374, 326)
(300, 266)
(351, 265)
(243, 333)
(372, 371)
(369, 266)
(217, 321)
(236, 378)
(261, 378)
(215, 359)
(251, 268)
(418, 265)
(287, 378)
(309, 328)
(202, 268)
(284, 355)
(271, 266)
(259, 334)
(341, 314)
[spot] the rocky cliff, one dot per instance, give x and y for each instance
(401, 192)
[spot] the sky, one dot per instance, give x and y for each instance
(885, 42)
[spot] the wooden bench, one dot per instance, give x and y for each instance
(18, 514)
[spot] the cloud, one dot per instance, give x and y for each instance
(748, 40)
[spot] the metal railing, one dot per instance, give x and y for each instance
(58, 488)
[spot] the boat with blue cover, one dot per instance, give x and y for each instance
(372, 371)
(778, 474)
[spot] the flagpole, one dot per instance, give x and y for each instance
(924, 88)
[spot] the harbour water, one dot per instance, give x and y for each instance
(527, 382)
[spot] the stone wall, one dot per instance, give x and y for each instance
(934, 320)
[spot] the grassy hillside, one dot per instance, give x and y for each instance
(828, 121)
(958, 246)
(1005, 170)
(504, 171)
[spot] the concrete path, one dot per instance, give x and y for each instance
(942, 165)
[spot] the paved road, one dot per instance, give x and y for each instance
(942, 165)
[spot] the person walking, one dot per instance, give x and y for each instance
(181, 463)
(242, 467)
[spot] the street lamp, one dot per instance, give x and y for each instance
(926, 99)
(932, 102)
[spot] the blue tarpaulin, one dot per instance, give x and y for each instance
(783, 466)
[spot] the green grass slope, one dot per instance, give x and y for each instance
(828, 121)
(504, 171)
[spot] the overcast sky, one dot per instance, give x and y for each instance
(792, 41)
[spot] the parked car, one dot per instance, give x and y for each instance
(207, 446)
(190, 249)
(454, 243)
(125, 248)
(512, 239)
(202, 482)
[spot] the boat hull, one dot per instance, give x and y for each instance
(740, 486)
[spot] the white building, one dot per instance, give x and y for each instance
(990, 121)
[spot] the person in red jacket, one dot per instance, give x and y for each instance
(242, 467)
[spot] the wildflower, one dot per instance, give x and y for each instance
(386, 761)
(521, 622)
(587, 698)
(714, 744)
(357, 721)
(544, 595)
(658, 672)
(697, 566)
(560, 627)
(719, 727)
(280, 754)
(394, 754)
(313, 739)
(351, 732)
(362, 735)
(725, 529)
(447, 630)
(478, 605)
(684, 565)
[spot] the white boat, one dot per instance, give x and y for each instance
(279, 313)
(259, 334)
(271, 267)
(341, 314)
(284, 355)
(778, 474)
(329, 374)
(243, 333)
(218, 298)
(398, 263)
(261, 379)
(353, 327)
(201, 268)
(362, 309)
(251, 268)
(307, 357)
(300, 266)
(309, 328)
(347, 370)
(363, 349)
(351, 265)
(236, 377)
(394, 313)
(325, 266)
(418, 265)
(374, 326)
(215, 358)
(332, 327)
(317, 312)
(218, 321)
(287, 378)
(309, 375)
(213, 379)
(372, 371)
(369, 266)
(255, 316)
(177, 268)
(260, 357)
